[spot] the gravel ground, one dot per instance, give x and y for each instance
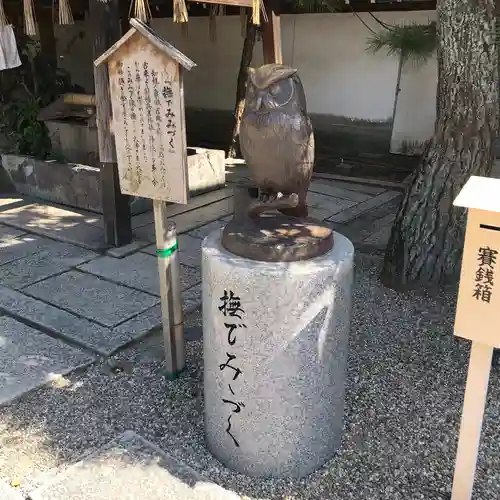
(406, 377)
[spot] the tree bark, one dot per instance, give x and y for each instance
(426, 242)
(246, 59)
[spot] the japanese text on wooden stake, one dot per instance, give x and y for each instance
(148, 123)
(485, 273)
(231, 309)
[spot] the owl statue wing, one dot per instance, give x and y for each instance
(303, 137)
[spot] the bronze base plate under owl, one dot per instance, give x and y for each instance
(277, 238)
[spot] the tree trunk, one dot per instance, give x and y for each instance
(425, 246)
(246, 59)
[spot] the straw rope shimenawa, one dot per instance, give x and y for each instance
(181, 15)
(215, 10)
(3, 18)
(180, 11)
(141, 10)
(65, 14)
(30, 25)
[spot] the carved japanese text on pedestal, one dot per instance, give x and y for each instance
(145, 76)
(232, 311)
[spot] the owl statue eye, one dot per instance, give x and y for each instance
(282, 92)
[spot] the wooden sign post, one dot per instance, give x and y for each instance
(147, 97)
(477, 317)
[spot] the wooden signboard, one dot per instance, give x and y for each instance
(478, 306)
(145, 77)
(477, 317)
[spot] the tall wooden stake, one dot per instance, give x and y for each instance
(476, 391)
(105, 22)
(170, 291)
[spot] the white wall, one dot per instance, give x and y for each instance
(416, 105)
(340, 76)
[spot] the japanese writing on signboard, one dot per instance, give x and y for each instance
(230, 308)
(148, 123)
(485, 274)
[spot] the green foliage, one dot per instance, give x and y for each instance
(24, 133)
(24, 92)
(415, 43)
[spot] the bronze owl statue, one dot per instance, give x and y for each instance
(277, 140)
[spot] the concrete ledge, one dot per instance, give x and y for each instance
(79, 186)
(69, 184)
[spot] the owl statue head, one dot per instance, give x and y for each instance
(273, 87)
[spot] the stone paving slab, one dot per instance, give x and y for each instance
(138, 271)
(84, 235)
(9, 493)
(356, 210)
(369, 222)
(359, 187)
(47, 216)
(8, 201)
(130, 468)
(17, 248)
(175, 209)
(205, 230)
(91, 297)
(322, 206)
(80, 228)
(330, 189)
(7, 233)
(123, 251)
(138, 327)
(191, 220)
(189, 250)
(28, 359)
(80, 330)
(50, 258)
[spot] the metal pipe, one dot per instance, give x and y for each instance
(170, 291)
(177, 314)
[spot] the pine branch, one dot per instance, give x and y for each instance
(415, 43)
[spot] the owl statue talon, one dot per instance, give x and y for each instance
(265, 197)
(283, 202)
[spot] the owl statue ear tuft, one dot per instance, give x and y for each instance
(267, 75)
(251, 74)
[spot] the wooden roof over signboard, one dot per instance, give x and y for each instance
(162, 45)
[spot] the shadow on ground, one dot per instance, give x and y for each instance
(406, 376)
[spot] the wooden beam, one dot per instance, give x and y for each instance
(46, 33)
(236, 3)
(105, 21)
(271, 36)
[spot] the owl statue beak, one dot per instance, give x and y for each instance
(258, 103)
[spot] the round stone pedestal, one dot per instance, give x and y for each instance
(275, 349)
